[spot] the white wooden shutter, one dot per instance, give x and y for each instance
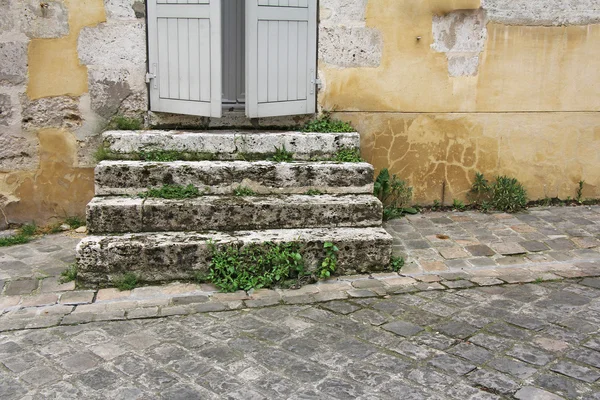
(184, 49)
(281, 57)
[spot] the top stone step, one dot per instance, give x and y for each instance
(228, 145)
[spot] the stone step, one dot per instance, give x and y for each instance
(222, 177)
(230, 213)
(228, 145)
(159, 257)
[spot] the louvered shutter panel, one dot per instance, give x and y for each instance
(184, 48)
(281, 57)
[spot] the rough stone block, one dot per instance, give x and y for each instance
(13, 62)
(218, 177)
(350, 46)
(230, 145)
(119, 215)
(114, 214)
(171, 256)
(96, 45)
(77, 297)
(48, 22)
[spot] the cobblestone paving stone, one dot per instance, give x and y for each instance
(475, 343)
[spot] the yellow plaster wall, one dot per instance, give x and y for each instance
(54, 68)
(530, 112)
(57, 189)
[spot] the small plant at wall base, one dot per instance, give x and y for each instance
(313, 192)
(325, 124)
(458, 205)
(173, 192)
(579, 197)
(329, 263)
(505, 194)
(396, 263)
(508, 195)
(395, 194)
(69, 275)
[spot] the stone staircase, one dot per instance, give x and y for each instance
(163, 240)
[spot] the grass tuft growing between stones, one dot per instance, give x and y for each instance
(313, 192)
(243, 191)
(348, 155)
(325, 124)
(282, 155)
(23, 235)
(124, 123)
(70, 274)
(173, 192)
(127, 281)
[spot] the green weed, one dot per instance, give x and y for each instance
(123, 123)
(508, 195)
(75, 221)
(282, 155)
(396, 263)
(436, 205)
(242, 191)
(173, 192)
(325, 124)
(579, 197)
(458, 205)
(329, 263)
(394, 193)
(255, 266)
(348, 155)
(70, 274)
(127, 281)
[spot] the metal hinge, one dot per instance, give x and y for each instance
(314, 81)
(151, 76)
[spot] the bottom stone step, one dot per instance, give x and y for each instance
(160, 257)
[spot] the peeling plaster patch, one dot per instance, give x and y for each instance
(543, 12)
(461, 35)
(50, 112)
(13, 62)
(122, 45)
(350, 47)
(50, 22)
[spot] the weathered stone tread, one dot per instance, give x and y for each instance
(222, 177)
(231, 213)
(229, 145)
(157, 257)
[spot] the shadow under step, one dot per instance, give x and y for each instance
(222, 177)
(230, 213)
(159, 257)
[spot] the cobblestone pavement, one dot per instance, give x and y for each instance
(437, 242)
(530, 341)
(488, 306)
